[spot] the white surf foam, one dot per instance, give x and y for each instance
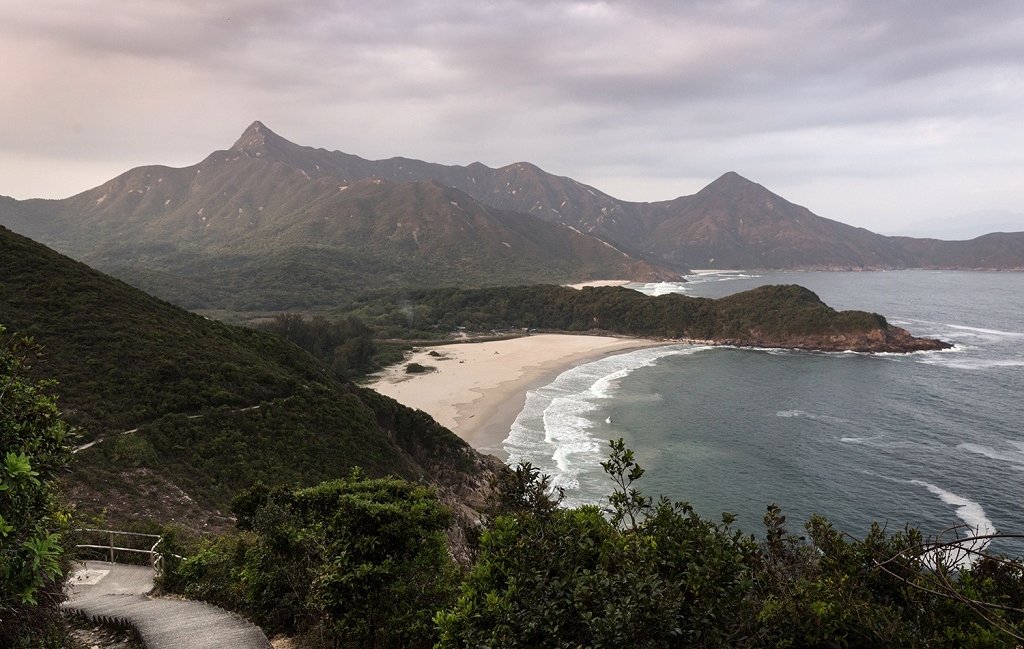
(807, 415)
(555, 430)
(790, 413)
(974, 364)
(974, 517)
(1014, 457)
(979, 331)
(660, 288)
(967, 510)
(871, 441)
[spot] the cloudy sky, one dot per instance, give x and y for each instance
(878, 113)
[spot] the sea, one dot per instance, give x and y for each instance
(933, 440)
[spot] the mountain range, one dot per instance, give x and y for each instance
(271, 225)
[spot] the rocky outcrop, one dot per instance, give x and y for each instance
(891, 340)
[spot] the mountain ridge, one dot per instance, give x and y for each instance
(247, 217)
(256, 210)
(676, 231)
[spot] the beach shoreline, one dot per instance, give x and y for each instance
(477, 389)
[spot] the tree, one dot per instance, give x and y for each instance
(552, 577)
(34, 451)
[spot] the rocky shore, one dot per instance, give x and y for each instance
(892, 340)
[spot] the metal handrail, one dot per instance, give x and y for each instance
(155, 559)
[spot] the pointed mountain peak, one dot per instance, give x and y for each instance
(732, 186)
(730, 180)
(258, 139)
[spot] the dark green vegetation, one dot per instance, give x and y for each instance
(186, 411)
(34, 452)
(776, 316)
(352, 562)
(769, 313)
(359, 563)
(345, 345)
(773, 316)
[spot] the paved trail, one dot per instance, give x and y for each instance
(115, 594)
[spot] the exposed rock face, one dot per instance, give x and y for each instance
(892, 339)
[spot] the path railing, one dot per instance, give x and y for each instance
(111, 549)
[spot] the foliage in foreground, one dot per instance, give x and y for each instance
(361, 563)
(352, 562)
(658, 575)
(34, 451)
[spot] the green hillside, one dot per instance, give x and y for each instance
(211, 408)
(769, 316)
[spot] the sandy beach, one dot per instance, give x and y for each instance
(477, 389)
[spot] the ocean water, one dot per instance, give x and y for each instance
(932, 440)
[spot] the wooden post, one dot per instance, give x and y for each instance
(111, 539)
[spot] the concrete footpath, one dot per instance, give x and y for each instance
(116, 594)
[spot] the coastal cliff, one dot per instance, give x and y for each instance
(890, 339)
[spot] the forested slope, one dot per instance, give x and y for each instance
(211, 408)
(768, 316)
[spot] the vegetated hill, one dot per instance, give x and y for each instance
(731, 223)
(184, 411)
(768, 316)
(998, 250)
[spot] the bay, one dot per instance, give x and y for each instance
(932, 440)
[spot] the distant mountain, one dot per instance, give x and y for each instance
(996, 251)
(964, 227)
(734, 223)
(272, 225)
(178, 412)
(731, 223)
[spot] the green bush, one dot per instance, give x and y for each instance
(354, 562)
(658, 575)
(35, 450)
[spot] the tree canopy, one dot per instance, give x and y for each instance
(361, 563)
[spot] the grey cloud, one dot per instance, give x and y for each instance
(630, 92)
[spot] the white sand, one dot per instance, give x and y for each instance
(601, 282)
(480, 388)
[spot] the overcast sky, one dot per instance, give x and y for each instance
(877, 113)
